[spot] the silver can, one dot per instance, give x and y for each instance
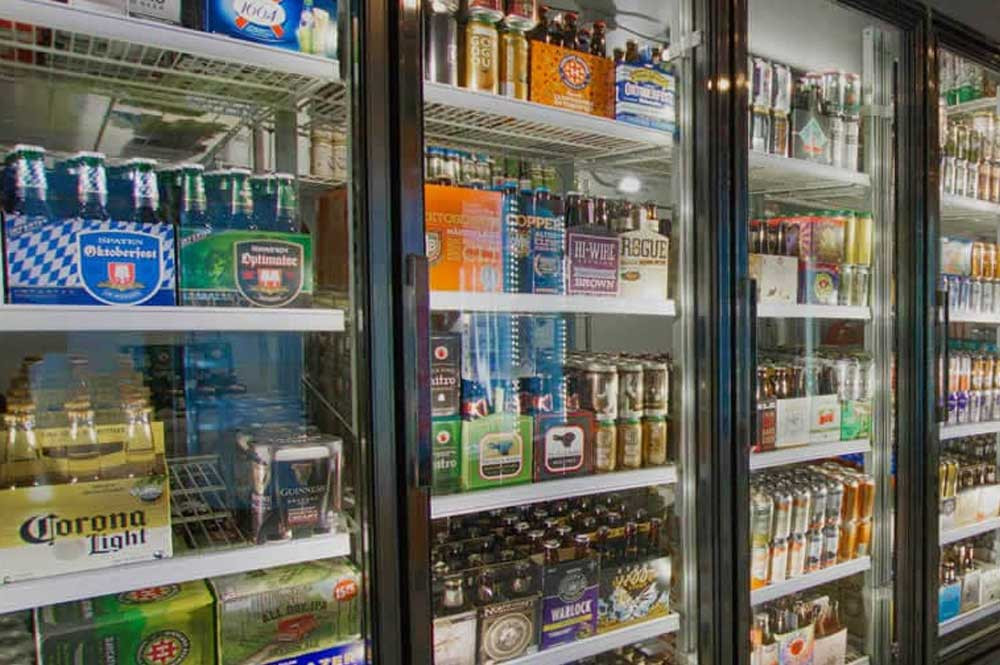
(862, 276)
(801, 506)
(656, 388)
(782, 513)
(989, 289)
(601, 386)
(441, 43)
(817, 510)
(846, 294)
(630, 390)
(976, 295)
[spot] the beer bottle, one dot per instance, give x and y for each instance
(581, 546)
(598, 41)
(453, 600)
(554, 35)
(618, 55)
(540, 33)
(485, 590)
(631, 52)
(630, 552)
(570, 31)
(551, 551)
(583, 40)
(28, 192)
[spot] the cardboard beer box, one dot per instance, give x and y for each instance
(89, 262)
(446, 438)
(821, 237)
(989, 583)
(564, 445)
(633, 592)
(570, 79)
(796, 647)
(830, 649)
(508, 630)
(949, 601)
(824, 418)
(464, 238)
(233, 268)
(819, 283)
(496, 451)
(278, 615)
(855, 420)
(645, 96)
(534, 241)
(792, 418)
(777, 277)
(455, 639)
(116, 512)
(167, 625)
(569, 600)
(967, 506)
(290, 24)
(446, 375)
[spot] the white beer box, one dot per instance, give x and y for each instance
(824, 420)
(792, 422)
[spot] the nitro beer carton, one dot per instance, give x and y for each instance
(645, 96)
(464, 238)
(120, 515)
(168, 624)
(446, 438)
(446, 375)
(292, 24)
(89, 262)
(233, 268)
(496, 451)
(289, 614)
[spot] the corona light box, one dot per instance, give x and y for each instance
(245, 268)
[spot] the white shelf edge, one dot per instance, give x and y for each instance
(969, 530)
(82, 318)
(812, 451)
(591, 646)
(463, 503)
(968, 618)
(773, 310)
(863, 660)
(542, 303)
(440, 93)
(981, 104)
(796, 584)
(834, 175)
(120, 27)
(955, 202)
(970, 429)
(973, 317)
(27, 594)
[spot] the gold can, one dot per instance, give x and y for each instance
(654, 441)
(863, 239)
(850, 238)
(851, 506)
(990, 261)
(866, 497)
(995, 182)
(848, 541)
(482, 55)
(514, 65)
(978, 249)
(605, 445)
(629, 444)
(863, 540)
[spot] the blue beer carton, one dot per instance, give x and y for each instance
(646, 96)
(89, 262)
(308, 26)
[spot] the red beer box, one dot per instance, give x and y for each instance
(573, 80)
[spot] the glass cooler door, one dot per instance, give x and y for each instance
(181, 464)
(821, 167)
(557, 207)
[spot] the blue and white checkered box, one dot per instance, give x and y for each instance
(89, 262)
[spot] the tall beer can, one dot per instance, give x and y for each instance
(862, 544)
(630, 389)
(796, 555)
(863, 239)
(850, 238)
(761, 519)
(866, 501)
(654, 441)
(441, 42)
(814, 551)
(629, 444)
(852, 499)
(782, 513)
(831, 546)
(514, 64)
(978, 253)
(848, 541)
(605, 446)
(817, 511)
(779, 560)
(482, 55)
(801, 507)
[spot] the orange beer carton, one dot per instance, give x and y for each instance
(464, 238)
(573, 80)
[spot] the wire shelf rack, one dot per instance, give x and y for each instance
(200, 506)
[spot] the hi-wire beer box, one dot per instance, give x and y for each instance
(84, 504)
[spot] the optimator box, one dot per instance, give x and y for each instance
(464, 238)
(117, 511)
(573, 80)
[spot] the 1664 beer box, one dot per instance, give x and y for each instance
(245, 268)
(464, 238)
(89, 262)
(297, 614)
(166, 625)
(308, 27)
(66, 513)
(569, 79)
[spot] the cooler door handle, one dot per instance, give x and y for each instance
(751, 300)
(943, 321)
(419, 400)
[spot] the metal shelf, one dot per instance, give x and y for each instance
(970, 429)
(455, 116)
(568, 653)
(74, 318)
(813, 451)
(76, 586)
(796, 584)
(547, 304)
(974, 317)
(961, 215)
(808, 183)
(473, 502)
(149, 63)
(981, 104)
(773, 310)
(969, 530)
(968, 618)
(862, 660)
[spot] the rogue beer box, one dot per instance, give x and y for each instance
(464, 238)
(777, 277)
(645, 96)
(89, 262)
(172, 623)
(51, 529)
(496, 451)
(288, 24)
(245, 268)
(633, 592)
(287, 612)
(570, 79)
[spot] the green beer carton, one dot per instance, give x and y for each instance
(855, 420)
(172, 624)
(447, 437)
(276, 614)
(496, 451)
(234, 268)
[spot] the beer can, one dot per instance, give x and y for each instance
(976, 295)
(831, 546)
(863, 541)
(630, 390)
(866, 496)
(862, 277)
(489, 10)
(846, 294)
(801, 506)
(629, 444)
(482, 52)
(850, 239)
(863, 239)
(514, 64)
(761, 519)
(441, 45)
(848, 541)
(817, 510)
(814, 551)
(834, 502)
(760, 560)
(779, 560)
(656, 388)
(521, 14)
(978, 252)
(796, 555)
(851, 505)
(989, 291)
(601, 390)
(782, 513)
(965, 294)
(654, 441)
(605, 445)
(761, 81)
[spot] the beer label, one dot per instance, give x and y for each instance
(604, 446)
(268, 273)
(533, 248)
(161, 10)
(496, 450)
(644, 265)
(634, 592)
(564, 448)
(464, 238)
(630, 444)
(768, 428)
(796, 647)
(811, 140)
(592, 264)
(446, 380)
